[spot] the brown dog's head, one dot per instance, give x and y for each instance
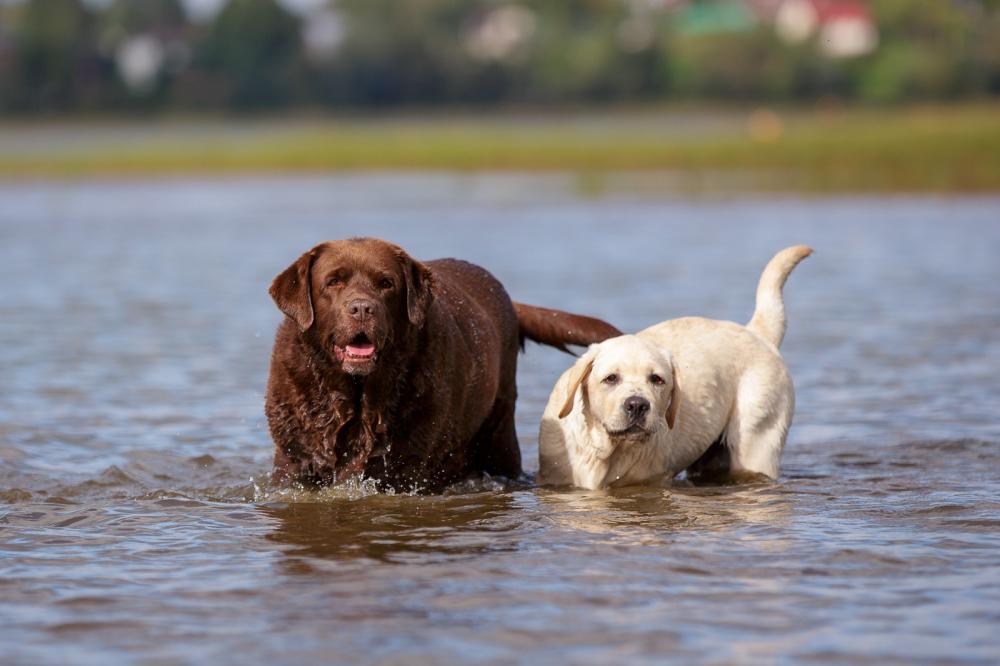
(359, 297)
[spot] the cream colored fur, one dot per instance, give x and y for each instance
(723, 380)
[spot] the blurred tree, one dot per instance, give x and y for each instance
(54, 54)
(428, 51)
(253, 54)
(55, 63)
(148, 42)
(577, 53)
(7, 87)
(986, 52)
(396, 52)
(717, 54)
(923, 50)
(134, 16)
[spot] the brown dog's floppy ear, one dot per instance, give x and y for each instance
(675, 400)
(418, 287)
(580, 374)
(291, 290)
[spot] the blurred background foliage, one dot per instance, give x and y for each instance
(134, 55)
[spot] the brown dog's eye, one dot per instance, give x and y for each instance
(656, 379)
(385, 283)
(333, 281)
(611, 379)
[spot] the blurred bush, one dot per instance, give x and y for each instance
(68, 55)
(251, 56)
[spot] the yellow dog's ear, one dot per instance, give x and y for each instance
(675, 400)
(578, 376)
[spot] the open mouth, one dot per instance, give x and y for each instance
(634, 429)
(359, 350)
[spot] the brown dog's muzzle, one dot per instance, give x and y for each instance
(361, 309)
(362, 331)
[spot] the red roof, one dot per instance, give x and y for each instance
(832, 10)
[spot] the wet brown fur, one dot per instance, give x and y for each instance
(437, 403)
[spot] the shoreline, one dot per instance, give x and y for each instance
(931, 149)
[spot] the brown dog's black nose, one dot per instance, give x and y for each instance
(636, 408)
(360, 308)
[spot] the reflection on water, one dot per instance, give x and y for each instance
(389, 528)
(392, 528)
(138, 523)
(643, 515)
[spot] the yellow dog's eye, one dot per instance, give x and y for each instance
(656, 379)
(611, 379)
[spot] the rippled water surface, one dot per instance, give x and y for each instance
(137, 523)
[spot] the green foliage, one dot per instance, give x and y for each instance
(54, 58)
(253, 48)
(924, 51)
(125, 20)
(129, 17)
(59, 55)
(397, 52)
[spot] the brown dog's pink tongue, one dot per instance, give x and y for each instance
(361, 349)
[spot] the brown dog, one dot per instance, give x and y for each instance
(400, 371)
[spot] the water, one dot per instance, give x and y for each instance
(137, 523)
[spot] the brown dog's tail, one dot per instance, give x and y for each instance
(558, 329)
(769, 316)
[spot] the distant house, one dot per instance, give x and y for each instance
(842, 28)
(499, 33)
(323, 31)
(703, 18)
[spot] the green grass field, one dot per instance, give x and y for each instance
(914, 149)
